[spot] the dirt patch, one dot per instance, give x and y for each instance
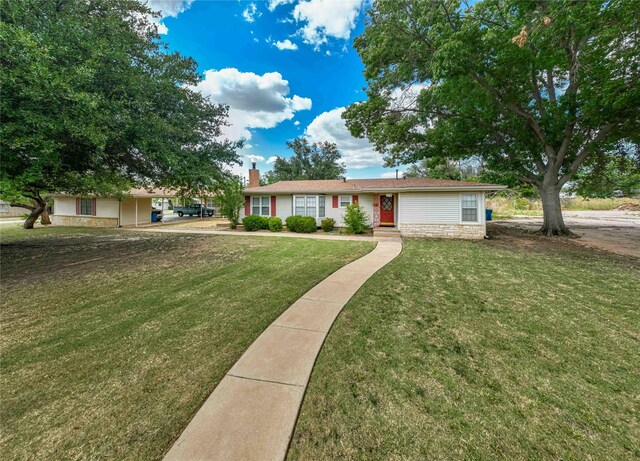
(628, 207)
(520, 236)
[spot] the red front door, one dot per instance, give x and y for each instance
(387, 211)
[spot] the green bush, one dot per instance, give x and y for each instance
(275, 224)
(522, 203)
(328, 224)
(303, 224)
(355, 219)
(253, 223)
(292, 222)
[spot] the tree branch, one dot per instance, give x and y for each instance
(22, 205)
(536, 91)
(551, 87)
(516, 109)
(584, 153)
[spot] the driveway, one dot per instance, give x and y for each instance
(615, 231)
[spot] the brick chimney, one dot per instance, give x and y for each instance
(254, 176)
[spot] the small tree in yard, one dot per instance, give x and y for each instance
(355, 218)
(230, 201)
(533, 88)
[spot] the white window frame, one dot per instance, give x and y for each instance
(317, 205)
(349, 199)
(477, 208)
(261, 205)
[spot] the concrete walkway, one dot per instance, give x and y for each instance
(252, 412)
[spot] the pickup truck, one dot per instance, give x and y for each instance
(193, 210)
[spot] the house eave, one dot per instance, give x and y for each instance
(378, 190)
(434, 189)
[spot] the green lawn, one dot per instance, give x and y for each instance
(111, 340)
(515, 348)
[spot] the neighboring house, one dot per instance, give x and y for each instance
(417, 207)
(8, 211)
(132, 210)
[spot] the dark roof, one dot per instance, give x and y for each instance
(370, 185)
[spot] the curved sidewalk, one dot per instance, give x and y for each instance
(252, 412)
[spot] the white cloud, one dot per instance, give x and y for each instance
(167, 8)
(326, 18)
(255, 101)
(251, 12)
(286, 45)
(296, 123)
(272, 159)
(162, 29)
(255, 158)
(356, 153)
(392, 174)
(273, 4)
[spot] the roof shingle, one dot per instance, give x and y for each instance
(368, 185)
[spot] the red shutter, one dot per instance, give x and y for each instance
(247, 205)
(355, 199)
(77, 206)
(273, 205)
(93, 207)
(335, 201)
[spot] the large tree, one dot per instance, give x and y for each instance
(309, 161)
(94, 103)
(534, 88)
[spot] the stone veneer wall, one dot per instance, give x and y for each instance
(456, 231)
(84, 221)
(376, 210)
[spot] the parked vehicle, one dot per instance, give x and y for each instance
(197, 209)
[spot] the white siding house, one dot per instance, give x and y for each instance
(419, 207)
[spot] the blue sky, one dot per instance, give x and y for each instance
(286, 68)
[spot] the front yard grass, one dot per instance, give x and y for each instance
(524, 348)
(111, 340)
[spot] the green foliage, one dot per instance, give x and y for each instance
(93, 102)
(275, 224)
(435, 168)
(328, 224)
(302, 224)
(309, 161)
(619, 171)
(446, 80)
(230, 200)
(522, 203)
(355, 219)
(254, 223)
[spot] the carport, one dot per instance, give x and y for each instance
(136, 208)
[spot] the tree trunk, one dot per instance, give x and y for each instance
(45, 220)
(553, 221)
(39, 208)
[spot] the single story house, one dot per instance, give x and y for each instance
(132, 210)
(416, 207)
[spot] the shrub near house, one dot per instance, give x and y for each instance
(328, 224)
(254, 223)
(355, 219)
(275, 224)
(303, 224)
